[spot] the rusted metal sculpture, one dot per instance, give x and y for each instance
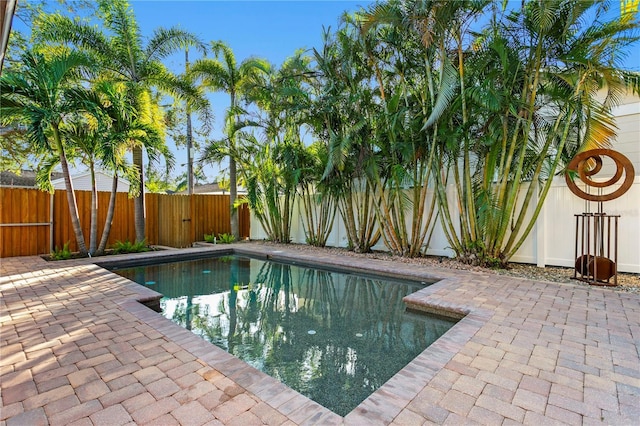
(597, 233)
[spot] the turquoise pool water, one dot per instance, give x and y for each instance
(332, 336)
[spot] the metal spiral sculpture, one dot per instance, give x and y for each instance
(594, 246)
(583, 164)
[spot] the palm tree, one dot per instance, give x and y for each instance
(126, 59)
(317, 204)
(343, 107)
(122, 131)
(43, 96)
(223, 74)
(105, 145)
(502, 109)
(282, 97)
(527, 94)
(405, 154)
(84, 137)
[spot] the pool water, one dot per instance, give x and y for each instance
(332, 336)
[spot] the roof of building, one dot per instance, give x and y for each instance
(26, 178)
(211, 188)
(60, 180)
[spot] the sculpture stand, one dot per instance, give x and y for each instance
(596, 249)
(595, 262)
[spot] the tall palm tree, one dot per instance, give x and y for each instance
(343, 106)
(402, 167)
(282, 97)
(224, 74)
(43, 96)
(122, 131)
(101, 140)
(118, 44)
(84, 136)
(527, 95)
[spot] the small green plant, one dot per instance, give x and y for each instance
(128, 247)
(61, 254)
(226, 238)
(221, 238)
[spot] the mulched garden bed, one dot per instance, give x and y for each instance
(626, 281)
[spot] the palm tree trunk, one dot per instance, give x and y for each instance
(233, 178)
(71, 196)
(93, 233)
(138, 202)
(109, 220)
(233, 193)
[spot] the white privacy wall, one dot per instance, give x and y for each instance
(552, 239)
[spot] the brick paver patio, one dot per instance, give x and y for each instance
(77, 348)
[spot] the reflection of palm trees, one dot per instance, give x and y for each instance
(233, 299)
(184, 313)
(188, 312)
(363, 336)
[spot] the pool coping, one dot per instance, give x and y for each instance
(384, 404)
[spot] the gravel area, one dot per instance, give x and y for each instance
(626, 282)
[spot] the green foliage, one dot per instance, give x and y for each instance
(221, 238)
(525, 104)
(224, 74)
(318, 204)
(42, 97)
(61, 254)
(226, 238)
(118, 46)
(128, 247)
(491, 114)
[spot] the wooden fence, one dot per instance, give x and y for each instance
(30, 220)
(24, 222)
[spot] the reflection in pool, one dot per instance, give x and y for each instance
(334, 337)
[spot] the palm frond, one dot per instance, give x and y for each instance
(215, 152)
(212, 73)
(43, 174)
(446, 93)
(61, 29)
(165, 42)
(222, 51)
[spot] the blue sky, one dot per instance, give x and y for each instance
(273, 30)
(269, 29)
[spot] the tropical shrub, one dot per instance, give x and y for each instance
(226, 238)
(467, 115)
(523, 100)
(317, 204)
(127, 246)
(61, 254)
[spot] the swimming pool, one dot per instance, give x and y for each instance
(335, 337)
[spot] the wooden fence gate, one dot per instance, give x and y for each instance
(175, 225)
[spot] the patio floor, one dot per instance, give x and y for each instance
(76, 348)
